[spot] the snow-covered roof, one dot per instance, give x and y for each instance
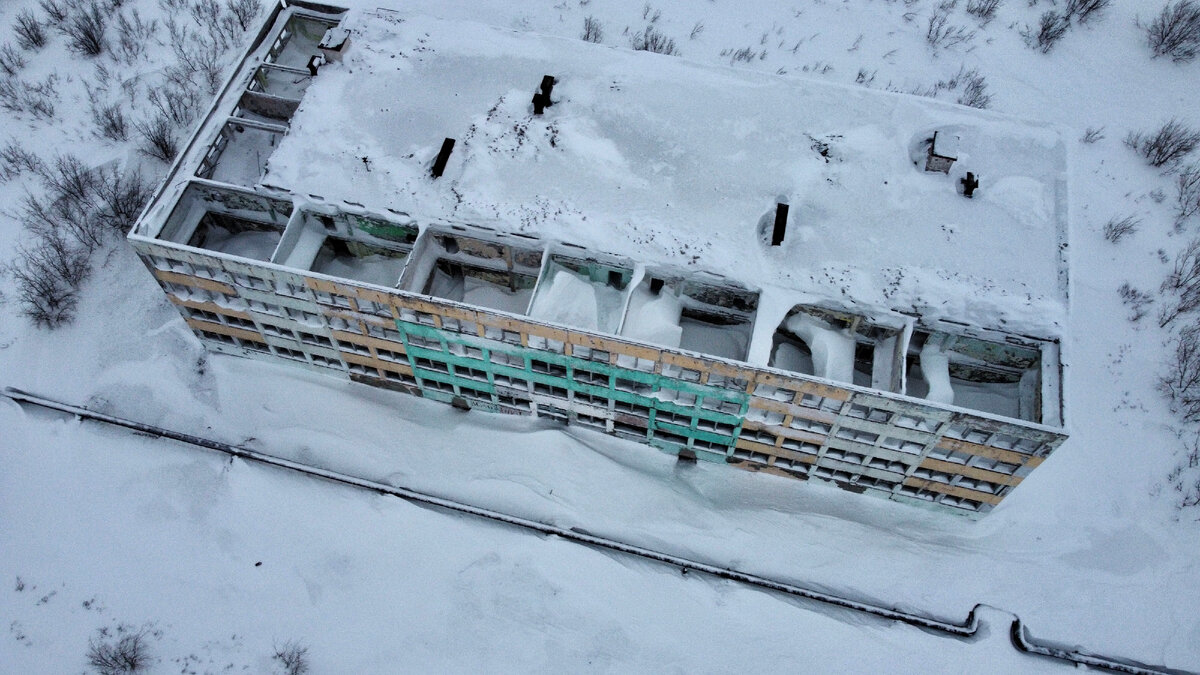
(667, 161)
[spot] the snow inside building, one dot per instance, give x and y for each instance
(606, 263)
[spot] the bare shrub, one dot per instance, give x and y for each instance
(133, 34)
(110, 121)
(1183, 283)
(969, 83)
(1175, 32)
(15, 160)
(974, 89)
(175, 102)
(1084, 11)
(47, 276)
(292, 656)
(82, 204)
(1092, 135)
(158, 137)
(84, 29)
(1168, 145)
(29, 31)
(1137, 301)
(652, 40)
(743, 55)
(941, 34)
(221, 25)
(1052, 26)
(128, 654)
(1117, 229)
(11, 60)
(984, 10)
(1185, 478)
(592, 30)
(697, 30)
(56, 10)
(243, 12)
(38, 98)
(1181, 383)
(120, 197)
(1187, 194)
(10, 94)
(198, 60)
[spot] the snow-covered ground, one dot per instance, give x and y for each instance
(1089, 550)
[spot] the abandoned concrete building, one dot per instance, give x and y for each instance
(312, 220)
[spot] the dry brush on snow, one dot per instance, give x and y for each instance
(71, 208)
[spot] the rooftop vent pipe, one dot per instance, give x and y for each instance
(439, 164)
(781, 213)
(541, 99)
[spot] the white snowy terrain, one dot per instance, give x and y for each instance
(100, 528)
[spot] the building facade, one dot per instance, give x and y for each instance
(261, 272)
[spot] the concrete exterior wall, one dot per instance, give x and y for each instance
(753, 418)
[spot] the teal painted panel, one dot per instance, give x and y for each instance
(649, 383)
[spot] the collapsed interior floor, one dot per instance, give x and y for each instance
(703, 318)
(584, 294)
(240, 154)
(836, 346)
(495, 289)
(360, 262)
(281, 82)
(991, 377)
(236, 236)
(228, 221)
(299, 41)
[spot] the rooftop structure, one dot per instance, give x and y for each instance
(729, 266)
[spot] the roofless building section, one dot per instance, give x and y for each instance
(788, 295)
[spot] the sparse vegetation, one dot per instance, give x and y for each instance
(56, 11)
(652, 40)
(110, 121)
(133, 34)
(1092, 135)
(1181, 384)
(292, 656)
(127, 654)
(1137, 301)
(84, 30)
(984, 10)
(697, 30)
(974, 89)
(244, 12)
(158, 137)
(1083, 11)
(1187, 194)
(37, 99)
(47, 275)
(941, 34)
(15, 160)
(592, 30)
(11, 60)
(1117, 229)
(743, 55)
(1185, 478)
(86, 205)
(969, 83)
(1183, 283)
(1175, 32)
(1052, 26)
(76, 211)
(1167, 146)
(28, 30)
